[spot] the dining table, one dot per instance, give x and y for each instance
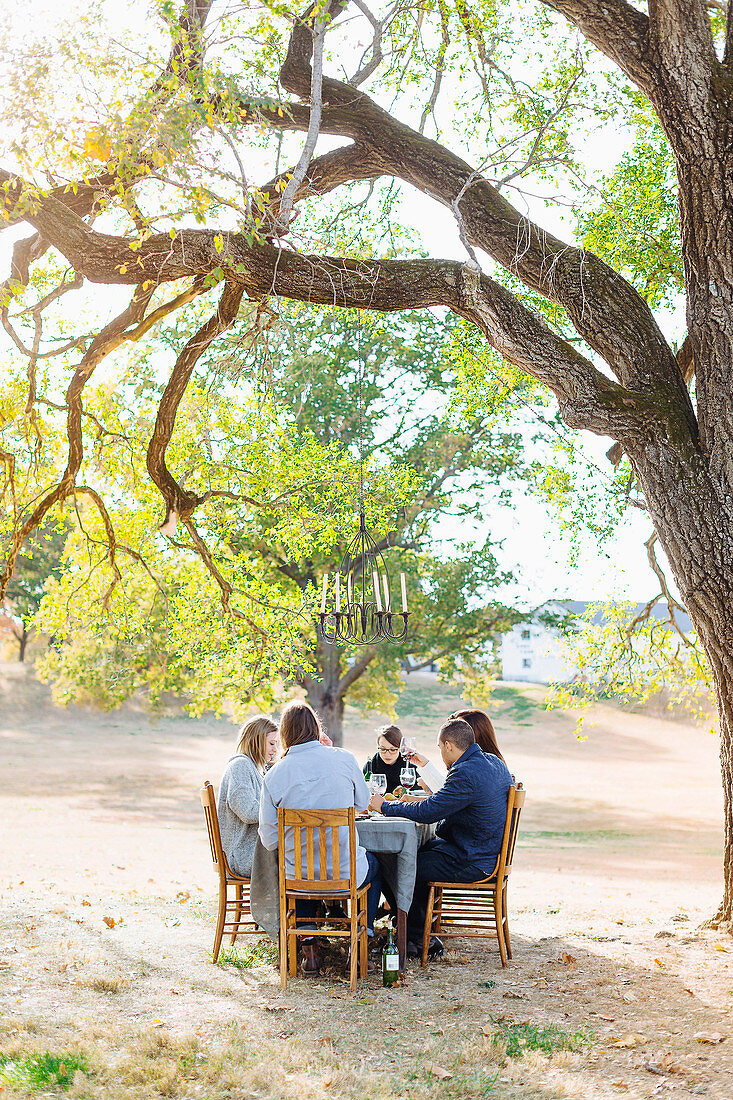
(395, 841)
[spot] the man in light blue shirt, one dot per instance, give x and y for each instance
(313, 777)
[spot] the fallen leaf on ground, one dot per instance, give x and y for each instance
(85, 902)
(659, 963)
(619, 1084)
(109, 921)
(671, 1065)
(438, 1071)
(709, 1036)
(277, 1008)
(633, 1039)
(721, 947)
(568, 959)
(608, 1019)
(515, 994)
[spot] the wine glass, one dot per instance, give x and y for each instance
(379, 782)
(407, 776)
(407, 746)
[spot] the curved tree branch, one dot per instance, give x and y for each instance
(179, 502)
(616, 28)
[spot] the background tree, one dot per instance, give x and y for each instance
(460, 466)
(426, 464)
(157, 148)
(40, 559)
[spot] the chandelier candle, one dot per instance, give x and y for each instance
(375, 583)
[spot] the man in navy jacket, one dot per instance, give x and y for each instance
(471, 810)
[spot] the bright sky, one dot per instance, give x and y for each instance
(532, 546)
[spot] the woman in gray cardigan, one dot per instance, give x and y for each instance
(238, 804)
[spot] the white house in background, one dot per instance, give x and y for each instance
(534, 650)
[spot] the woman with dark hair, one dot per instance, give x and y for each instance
(483, 730)
(310, 775)
(387, 760)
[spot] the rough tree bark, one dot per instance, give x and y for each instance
(682, 455)
(327, 694)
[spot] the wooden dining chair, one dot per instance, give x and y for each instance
(315, 834)
(477, 909)
(238, 906)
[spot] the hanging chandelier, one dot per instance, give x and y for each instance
(360, 610)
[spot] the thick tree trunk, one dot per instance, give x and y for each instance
(329, 705)
(701, 553)
(692, 516)
(327, 694)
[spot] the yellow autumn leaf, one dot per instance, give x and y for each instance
(97, 143)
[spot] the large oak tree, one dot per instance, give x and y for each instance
(616, 375)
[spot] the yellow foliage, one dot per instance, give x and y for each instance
(97, 143)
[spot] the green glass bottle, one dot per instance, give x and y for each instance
(390, 961)
(368, 772)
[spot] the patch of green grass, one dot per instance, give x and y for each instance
(253, 954)
(431, 701)
(35, 1072)
(543, 837)
(520, 1038)
(514, 704)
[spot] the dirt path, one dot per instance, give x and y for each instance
(618, 865)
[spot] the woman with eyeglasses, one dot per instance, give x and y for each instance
(387, 760)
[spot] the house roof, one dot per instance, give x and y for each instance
(579, 607)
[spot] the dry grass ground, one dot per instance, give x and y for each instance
(107, 989)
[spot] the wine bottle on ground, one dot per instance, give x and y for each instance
(390, 961)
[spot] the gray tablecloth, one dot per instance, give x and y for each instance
(394, 840)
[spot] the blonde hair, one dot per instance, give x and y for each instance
(253, 738)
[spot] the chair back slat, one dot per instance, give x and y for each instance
(519, 796)
(310, 862)
(298, 851)
(515, 802)
(322, 846)
(335, 853)
(218, 855)
(308, 822)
